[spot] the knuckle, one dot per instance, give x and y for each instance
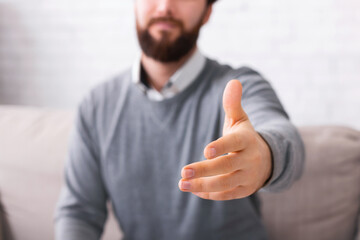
(203, 195)
(229, 182)
(242, 192)
(249, 189)
(214, 185)
(220, 197)
(229, 195)
(229, 163)
(200, 185)
(236, 178)
(219, 145)
(206, 195)
(238, 139)
(242, 135)
(233, 194)
(201, 169)
(223, 197)
(239, 178)
(226, 185)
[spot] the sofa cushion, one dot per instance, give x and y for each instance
(324, 204)
(33, 145)
(2, 215)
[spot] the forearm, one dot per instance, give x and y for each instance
(75, 218)
(270, 120)
(81, 210)
(287, 152)
(67, 228)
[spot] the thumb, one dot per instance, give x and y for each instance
(232, 103)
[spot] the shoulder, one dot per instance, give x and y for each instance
(107, 92)
(249, 77)
(98, 104)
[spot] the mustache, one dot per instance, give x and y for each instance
(167, 20)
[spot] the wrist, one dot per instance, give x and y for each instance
(267, 160)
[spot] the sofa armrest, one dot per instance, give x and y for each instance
(324, 203)
(1, 224)
(5, 230)
(358, 228)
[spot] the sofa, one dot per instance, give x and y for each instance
(323, 205)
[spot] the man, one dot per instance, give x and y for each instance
(176, 115)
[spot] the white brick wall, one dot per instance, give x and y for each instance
(53, 51)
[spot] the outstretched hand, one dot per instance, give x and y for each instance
(247, 164)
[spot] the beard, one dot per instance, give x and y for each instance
(165, 50)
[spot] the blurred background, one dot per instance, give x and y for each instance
(53, 51)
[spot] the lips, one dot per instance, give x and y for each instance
(165, 25)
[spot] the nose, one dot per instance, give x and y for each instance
(164, 8)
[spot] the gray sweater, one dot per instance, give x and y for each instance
(129, 150)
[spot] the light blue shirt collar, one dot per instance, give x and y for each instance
(182, 78)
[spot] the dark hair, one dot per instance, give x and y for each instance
(211, 1)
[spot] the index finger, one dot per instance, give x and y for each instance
(232, 142)
(220, 165)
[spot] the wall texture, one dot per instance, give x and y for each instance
(53, 51)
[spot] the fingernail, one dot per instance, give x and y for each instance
(188, 173)
(212, 152)
(185, 185)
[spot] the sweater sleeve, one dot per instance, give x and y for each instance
(270, 120)
(81, 210)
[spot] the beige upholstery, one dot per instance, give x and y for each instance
(33, 149)
(325, 203)
(33, 146)
(2, 222)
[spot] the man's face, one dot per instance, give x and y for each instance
(168, 29)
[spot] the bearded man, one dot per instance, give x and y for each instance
(177, 115)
